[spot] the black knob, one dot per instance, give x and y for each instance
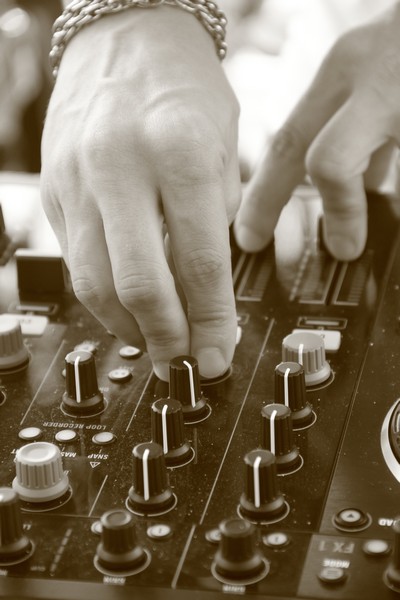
(290, 389)
(168, 430)
(262, 500)
(184, 385)
(277, 437)
(82, 396)
(150, 493)
(15, 546)
(392, 573)
(118, 550)
(238, 560)
(308, 349)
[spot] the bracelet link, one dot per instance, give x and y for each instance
(80, 13)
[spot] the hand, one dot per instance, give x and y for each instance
(141, 141)
(345, 125)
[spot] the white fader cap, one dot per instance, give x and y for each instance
(40, 475)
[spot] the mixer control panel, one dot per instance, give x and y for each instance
(277, 480)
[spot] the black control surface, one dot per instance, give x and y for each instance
(278, 481)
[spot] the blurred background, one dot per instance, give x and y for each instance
(275, 47)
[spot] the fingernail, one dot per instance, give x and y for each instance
(211, 362)
(248, 239)
(161, 369)
(343, 247)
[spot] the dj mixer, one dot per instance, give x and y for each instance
(278, 480)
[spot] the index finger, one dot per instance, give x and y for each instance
(282, 167)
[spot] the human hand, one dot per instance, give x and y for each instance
(343, 128)
(141, 140)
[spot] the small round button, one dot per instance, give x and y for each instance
(376, 547)
(276, 539)
(130, 352)
(351, 519)
(120, 375)
(30, 434)
(65, 436)
(332, 575)
(161, 531)
(103, 438)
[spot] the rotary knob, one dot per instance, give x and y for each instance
(118, 551)
(168, 430)
(290, 390)
(392, 574)
(277, 437)
(15, 546)
(262, 500)
(308, 349)
(82, 397)
(184, 385)
(150, 493)
(39, 473)
(238, 561)
(14, 355)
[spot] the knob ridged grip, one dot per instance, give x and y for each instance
(118, 549)
(15, 546)
(82, 396)
(392, 573)
(39, 473)
(184, 386)
(308, 349)
(238, 560)
(14, 355)
(150, 493)
(277, 437)
(168, 430)
(290, 389)
(262, 500)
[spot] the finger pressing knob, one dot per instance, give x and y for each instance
(118, 551)
(308, 349)
(40, 476)
(150, 493)
(14, 355)
(262, 500)
(184, 385)
(82, 397)
(290, 390)
(238, 561)
(168, 430)
(277, 437)
(15, 546)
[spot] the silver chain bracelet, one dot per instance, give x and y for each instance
(82, 12)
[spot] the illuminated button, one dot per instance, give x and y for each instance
(332, 575)
(376, 547)
(159, 532)
(130, 352)
(66, 435)
(103, 438)
(29, 434)
(120, 375)
(332, 339)
(277, 539)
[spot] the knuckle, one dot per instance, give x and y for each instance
(327, 165)
(90, 293)
(140, 290)
(288, 144)
(204, 266)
